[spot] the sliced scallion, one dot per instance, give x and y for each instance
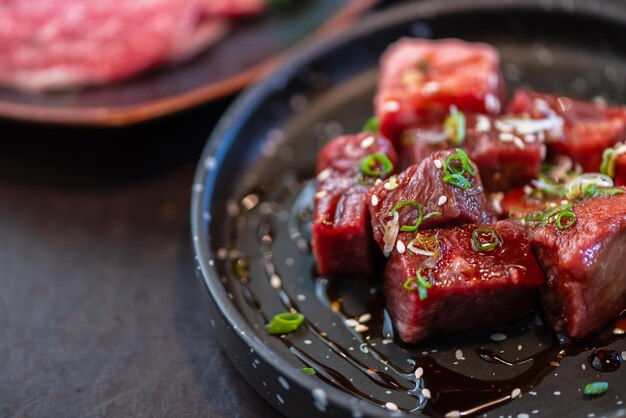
(376, 165)
(596, 388)
(420, 217)
(309, 371)
(454, 126)
(485, 239)
(457, 180)
(570, 220)
(284, 323)
(372, 125)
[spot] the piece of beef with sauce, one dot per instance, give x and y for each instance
(471, 283)
(585, 266)
(423, 185)
(341, 232)
(420, 79)
(508, 150)
(588, 128)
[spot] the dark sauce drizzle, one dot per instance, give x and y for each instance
(450, 393)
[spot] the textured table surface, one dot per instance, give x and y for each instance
(100, 311)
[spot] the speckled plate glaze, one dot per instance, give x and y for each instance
(251, 208)
(250, 47)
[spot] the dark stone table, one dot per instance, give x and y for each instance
(100, 310)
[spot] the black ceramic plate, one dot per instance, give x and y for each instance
(251, 205)
(249, 47)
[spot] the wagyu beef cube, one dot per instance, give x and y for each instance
(481, 275)
(420, 79)
(519, 203)
(432, 202)
(587, 128)
(341, 232)
(508, 150)
(585, 266)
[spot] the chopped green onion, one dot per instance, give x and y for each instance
(376, 165)
(454, 173)
(534, 216)
(431, 214)
(284, 323)
(551, 214)
(309, 371)
(592, 190)
(372, 125)
(418, 221)
(596, 388)
(449, 168)
(418, 283)
(455, 127)
(568, 215)
(609, 157)
(457, 180)
(480, 242)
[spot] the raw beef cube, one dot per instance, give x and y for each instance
(420, 79)
(588, 129)
(518, 203)
(341, 233)
(620, 170)
(585, 266)
(469, 285)
(508, 150)
(424, 186)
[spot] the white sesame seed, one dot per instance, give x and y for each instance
(419, 372)
(307, 342)
(374, 200)
(361, 328)
(519, 143)
(506, 136)
(438, 163)
(483, 124)
(426, 393)
(442, 200)
(391, 106)
(492, 103)
(583, 366)
(557, 393)
(519, 347)
(459, 355)
(392, 183)
(391, 406)
(431, 87)
(351, 322)
(324, 174)
(367, 142)
(321, 194)
(365, 317)
(275, 281)
(387, 341)
(400, 247)
(453, 414)
(515, 393)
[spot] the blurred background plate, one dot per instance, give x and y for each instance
(251, 205)
(252, 46)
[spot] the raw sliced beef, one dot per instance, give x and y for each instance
(421, 79)
(507, 150)
(588, 129)
(468, 288)
(424, 185)
(341, 233)
(68, 43)
(585, 266)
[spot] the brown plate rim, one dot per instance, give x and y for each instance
(141, 112)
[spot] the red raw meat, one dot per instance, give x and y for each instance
(588, 129)
(424, 184)
(469, 288)
(620, 170)
(341, 233)
(585, 266)
(68, 43)
(519, 203)
(420, 79)
(507, 150)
